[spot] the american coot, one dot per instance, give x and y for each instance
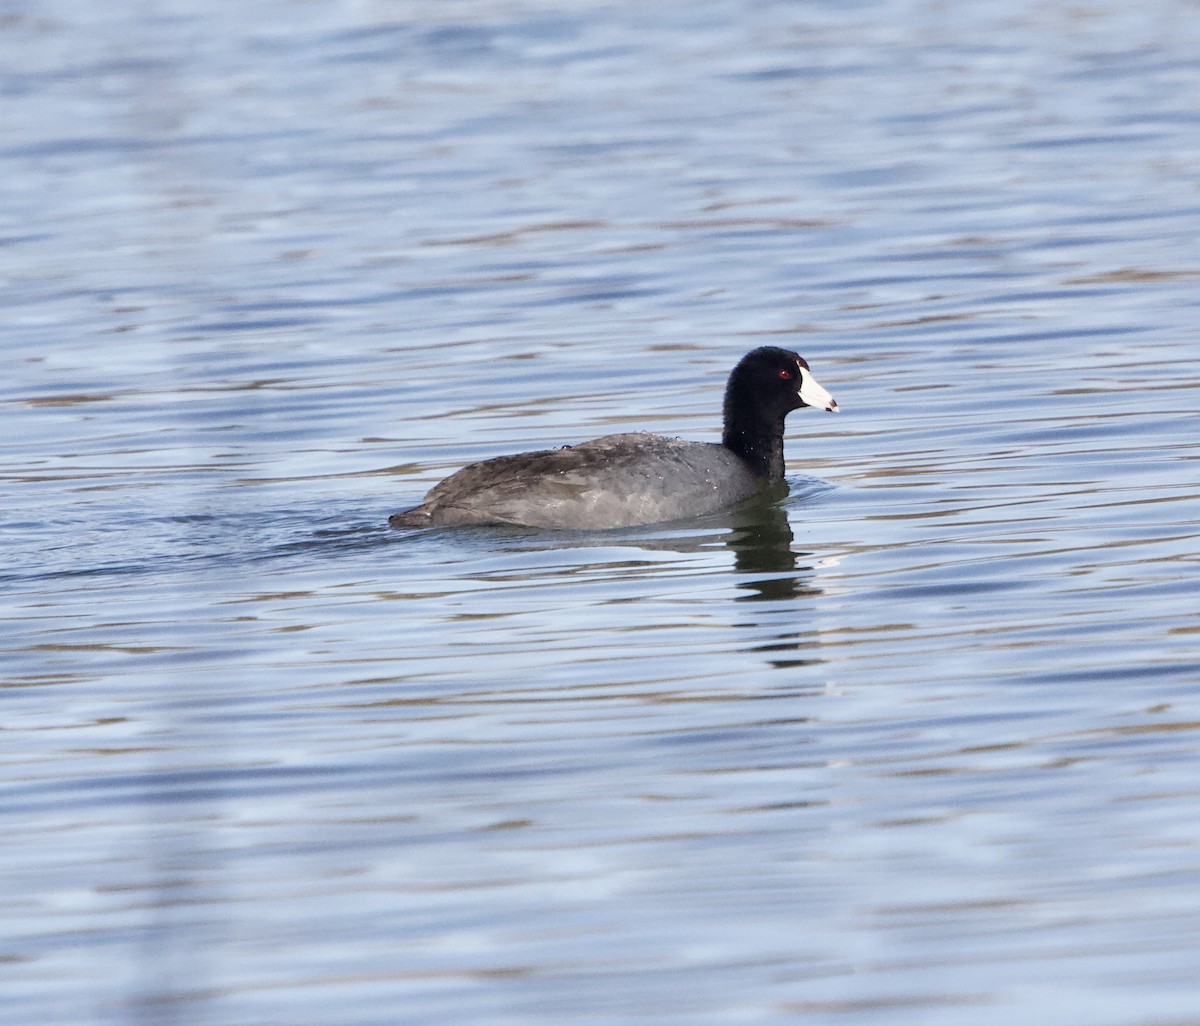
(624, 480)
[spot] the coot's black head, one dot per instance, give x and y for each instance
(765, 386)
(775, 381)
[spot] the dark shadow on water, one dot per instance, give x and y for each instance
(767, 565)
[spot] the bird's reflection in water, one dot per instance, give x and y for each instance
(771, 571)
(761, 541)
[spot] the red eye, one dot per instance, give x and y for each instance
(786, 375)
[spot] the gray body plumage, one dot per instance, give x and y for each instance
(614, 481)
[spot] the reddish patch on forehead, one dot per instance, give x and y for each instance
(803, 362)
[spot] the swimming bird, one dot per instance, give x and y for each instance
(630, 479)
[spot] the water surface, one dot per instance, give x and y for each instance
(918, 742)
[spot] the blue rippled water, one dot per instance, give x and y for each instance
(919, 743)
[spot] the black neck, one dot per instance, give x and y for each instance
(756, 438)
